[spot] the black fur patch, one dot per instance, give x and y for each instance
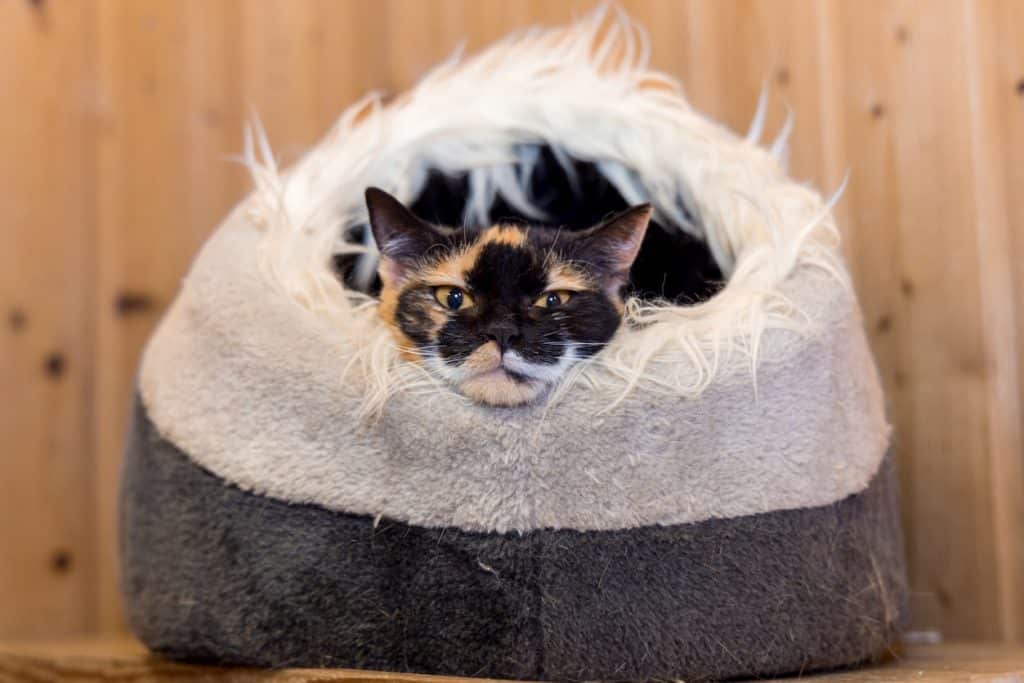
(411, 315)
(505, 281)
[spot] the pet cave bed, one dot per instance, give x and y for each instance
(710, 497)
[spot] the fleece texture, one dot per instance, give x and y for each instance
(215, 573)
(708, 497)
(274, 374)
(252, 387)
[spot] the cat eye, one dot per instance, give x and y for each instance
(453, 298)
(553, 299)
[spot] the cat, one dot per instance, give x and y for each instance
(501, 313)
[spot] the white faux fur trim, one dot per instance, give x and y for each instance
(261, 368)
(587, 91)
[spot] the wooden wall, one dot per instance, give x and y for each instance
(119, 118)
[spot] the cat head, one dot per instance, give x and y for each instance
(501, 313)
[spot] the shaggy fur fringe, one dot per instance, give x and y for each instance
(477, 116)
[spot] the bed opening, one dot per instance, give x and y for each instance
(672, 264)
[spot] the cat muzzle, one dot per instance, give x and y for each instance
(490, 360)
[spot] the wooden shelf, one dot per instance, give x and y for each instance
(127, 660)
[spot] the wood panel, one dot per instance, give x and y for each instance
(168, 118)
(46, 373)
(912, 228)
(114, 166)
(996, 99)
(125, 659)
(779, 59)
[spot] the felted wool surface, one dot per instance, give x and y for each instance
(214, 573)
(708, 497)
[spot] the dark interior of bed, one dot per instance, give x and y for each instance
(672, 264)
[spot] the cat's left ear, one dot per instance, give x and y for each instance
(401, 236)
(612, 246)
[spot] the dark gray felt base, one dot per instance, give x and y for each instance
(212, 573)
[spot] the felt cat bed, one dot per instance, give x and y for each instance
(709, 497)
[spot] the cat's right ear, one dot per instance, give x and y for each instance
(401, 237)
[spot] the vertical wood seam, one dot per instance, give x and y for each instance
(829, 92)
(90, 180)
(999, 328)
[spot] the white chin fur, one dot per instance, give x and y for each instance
(549, 374)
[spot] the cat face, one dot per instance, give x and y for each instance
(502, 313)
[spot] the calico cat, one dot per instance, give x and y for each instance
(503, 312)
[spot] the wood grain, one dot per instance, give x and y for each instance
(114, 167)
(47, 558)
(126, 660)
(780, 59)
(994, 101)
(911, 222)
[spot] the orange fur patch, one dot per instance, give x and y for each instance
(486, 357)
(498, 389)
(504, 234)
(388, 309)
(452, 270)
(567, 276)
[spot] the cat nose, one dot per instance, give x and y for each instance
(503, 335)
